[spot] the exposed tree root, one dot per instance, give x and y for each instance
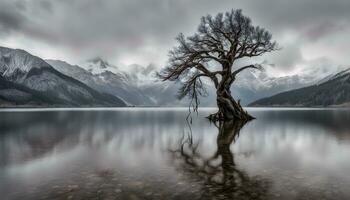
(229, 110)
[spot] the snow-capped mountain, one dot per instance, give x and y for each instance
(98, 76)
(26, 79)
(253, 84)
(99, 66)
(330, 91)
(334, 76)
(138, 85)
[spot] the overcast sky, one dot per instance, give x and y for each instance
(311, 33)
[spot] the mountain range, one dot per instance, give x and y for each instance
(28, 80)
(139, 85)
(333, 90)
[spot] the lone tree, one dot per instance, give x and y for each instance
(212, 52)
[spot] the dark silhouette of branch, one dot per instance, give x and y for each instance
(212, 51)
(259, 67)
(219, 173)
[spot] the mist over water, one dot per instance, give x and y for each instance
(152, 153)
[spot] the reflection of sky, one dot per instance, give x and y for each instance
(39, 147)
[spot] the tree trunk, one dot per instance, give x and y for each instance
(229, 108)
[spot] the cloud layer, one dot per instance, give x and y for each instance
(139, 31)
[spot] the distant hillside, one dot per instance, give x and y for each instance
(335, 91)
(27, 80)
(138, 85)
(112, 82)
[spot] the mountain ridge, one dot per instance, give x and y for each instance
(333, 92)
(31, 76)
(137, 86)
(249, 87)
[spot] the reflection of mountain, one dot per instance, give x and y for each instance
(42, 134)
(219, 175)
(37, 136)
(296, 151)
(335, 121)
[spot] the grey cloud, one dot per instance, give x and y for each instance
(11, 18)
(319, 31)
(287, 57)
(125, 28)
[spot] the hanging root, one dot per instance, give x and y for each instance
(218, 116)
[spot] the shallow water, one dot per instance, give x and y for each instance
(152, 153)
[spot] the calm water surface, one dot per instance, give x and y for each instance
(152, 153)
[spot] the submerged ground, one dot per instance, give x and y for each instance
(152, 153)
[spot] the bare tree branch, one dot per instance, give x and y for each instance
(222, 40)
(259, 67)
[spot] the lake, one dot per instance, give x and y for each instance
(153, 153)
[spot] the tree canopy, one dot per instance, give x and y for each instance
(212, 51)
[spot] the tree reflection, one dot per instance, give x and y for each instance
(219, 176)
